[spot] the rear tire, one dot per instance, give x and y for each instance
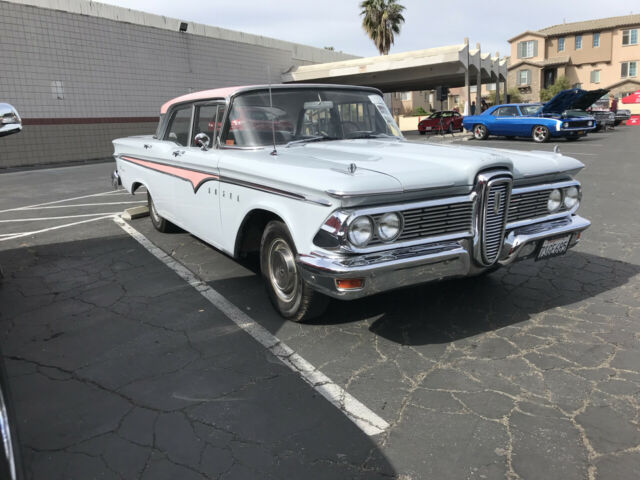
(291, 296)
(161, 224)
(480, 132)
(423, 133)
(540, 134)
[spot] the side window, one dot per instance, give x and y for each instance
(208, 119)
(507, 112)
(179, 124)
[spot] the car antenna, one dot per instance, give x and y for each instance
(273, 118)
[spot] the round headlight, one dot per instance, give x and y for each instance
(590, 123)
(571, 197)
(565, 125)
(360, 231)
(554, 201)
(389, 226)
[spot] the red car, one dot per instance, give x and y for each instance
(445, 121)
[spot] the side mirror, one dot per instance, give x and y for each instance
(202, 140)
(10, 121)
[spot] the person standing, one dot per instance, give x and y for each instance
(473, 108)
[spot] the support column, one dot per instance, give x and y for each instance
(466, 108)
(504, 87)
(479, 82)
(498, 101)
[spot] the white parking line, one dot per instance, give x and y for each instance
(112, 192)
(369, 422)
(57, 227)
(81, 205)
(56, 218)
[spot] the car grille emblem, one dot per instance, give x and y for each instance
(496, 202)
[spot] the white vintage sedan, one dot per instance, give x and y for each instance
(319, 180)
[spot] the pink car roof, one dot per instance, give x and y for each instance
(204, 94)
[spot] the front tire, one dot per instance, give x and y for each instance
(480, 132)
(161, 224)
(540, 134)
(573, 139)
(291, 296)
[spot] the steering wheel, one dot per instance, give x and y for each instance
(351, 127)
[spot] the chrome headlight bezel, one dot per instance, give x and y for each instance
(392, 220)
(361, 225)
(571, 197)
(554, 201)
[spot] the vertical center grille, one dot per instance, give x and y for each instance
(494, 217)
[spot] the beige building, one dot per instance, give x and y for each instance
(603, 53)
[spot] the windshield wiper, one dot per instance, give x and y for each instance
(317, 138)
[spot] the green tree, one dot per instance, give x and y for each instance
(562, 83)
(381, 21)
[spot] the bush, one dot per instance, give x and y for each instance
(562, 83)
(514, 96)
(419, 111)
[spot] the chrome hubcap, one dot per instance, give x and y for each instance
(478, 132)
(539, 133)
(283, 273)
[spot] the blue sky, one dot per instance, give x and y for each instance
(428, 23)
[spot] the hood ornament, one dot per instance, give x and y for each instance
(352, 168)
(556, 149)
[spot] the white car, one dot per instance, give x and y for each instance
(319, 180)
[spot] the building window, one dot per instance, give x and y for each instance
(578, 42)
(405, 96)
(528, 49)
(630, 37)
(596, 39)
(595, 76)
(524, 77)
(561, 44)
(491, 87)
(628, 69)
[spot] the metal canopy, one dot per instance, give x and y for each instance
(407, 71)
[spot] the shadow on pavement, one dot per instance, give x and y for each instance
(119, 369)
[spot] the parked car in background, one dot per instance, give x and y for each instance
(599, 110)
(622, 115)
(444, 121)
(342, 205)
(10, 121)
(10, 458)
(524, 120)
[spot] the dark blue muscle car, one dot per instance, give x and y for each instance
(562, 116)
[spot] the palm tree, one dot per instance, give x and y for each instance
(381, 20)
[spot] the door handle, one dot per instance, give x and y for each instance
(177, 153)
(146, 145)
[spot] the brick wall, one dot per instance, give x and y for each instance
(58, 65)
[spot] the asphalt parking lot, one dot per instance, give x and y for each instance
(122, 368)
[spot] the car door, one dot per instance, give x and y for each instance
(506, 120)
(198, 197)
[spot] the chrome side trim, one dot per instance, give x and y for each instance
(544, 186)
(234, 181)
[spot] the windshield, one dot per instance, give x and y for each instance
(308, 114)
(529, 109)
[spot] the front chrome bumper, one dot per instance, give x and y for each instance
(391, 269)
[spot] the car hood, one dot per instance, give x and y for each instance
(573, 99)
(386, 167)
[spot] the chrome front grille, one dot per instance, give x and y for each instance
(494, 216)
(434, 221)
(529, 205)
